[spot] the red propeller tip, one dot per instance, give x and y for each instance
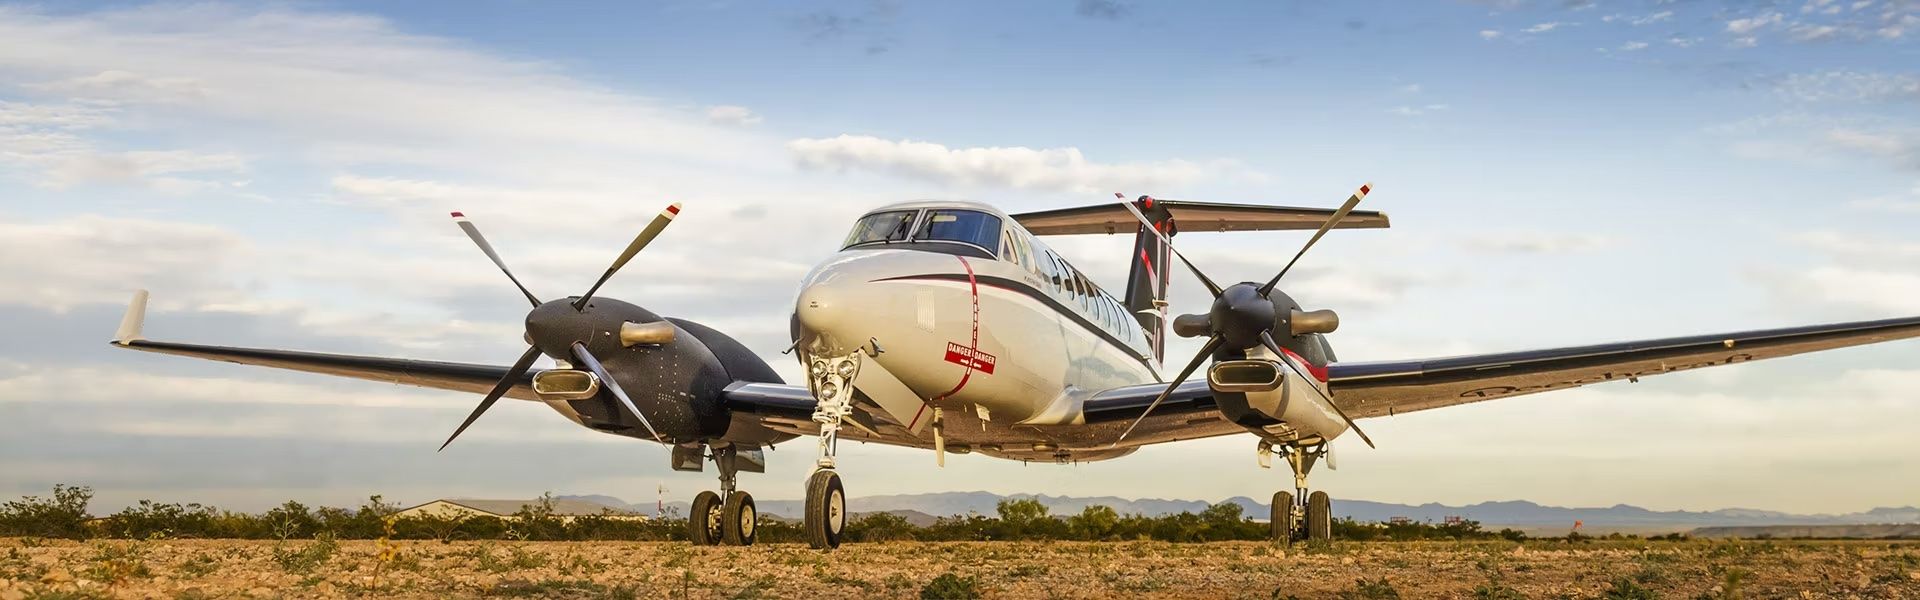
(1366, 188)
(457, 215)
(674, 209)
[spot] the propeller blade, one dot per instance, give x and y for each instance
(1267, 339)
(639, 241)
(1148, 224)
(1206, 352)
(1328, 226)
(499, 389)
(613, 385)
(480, 240)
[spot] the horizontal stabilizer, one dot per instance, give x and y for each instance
(1193, 217)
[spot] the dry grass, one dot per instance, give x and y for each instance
(302, 569)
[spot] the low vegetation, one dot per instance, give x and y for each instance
(64, 515)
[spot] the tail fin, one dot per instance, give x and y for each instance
(1147, 278)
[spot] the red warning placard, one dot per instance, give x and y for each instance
(963, 356)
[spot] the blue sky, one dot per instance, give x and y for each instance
(1558, 173)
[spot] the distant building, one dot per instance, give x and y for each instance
(564, 509)
(1399, 520)
(1454, 520)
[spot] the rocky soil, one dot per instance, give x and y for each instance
(32, 568)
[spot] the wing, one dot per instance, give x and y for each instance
(1389, 388)
(478, 379)
(464, 377)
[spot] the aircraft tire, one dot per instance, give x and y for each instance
(1282, 518)
(826, 516)
(1319, 516)
(703, 519)
(739, 520)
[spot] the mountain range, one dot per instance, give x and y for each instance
(1519, 513)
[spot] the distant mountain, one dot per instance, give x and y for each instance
(1518, 513)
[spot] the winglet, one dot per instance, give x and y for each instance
(131, 324)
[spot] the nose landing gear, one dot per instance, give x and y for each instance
(831, 381)
(1299, 515)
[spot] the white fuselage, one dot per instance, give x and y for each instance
(1010, 334)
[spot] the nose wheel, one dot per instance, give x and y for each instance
(826, 517)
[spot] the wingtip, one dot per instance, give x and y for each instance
(134, 321)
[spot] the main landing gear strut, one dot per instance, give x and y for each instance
(1299, 515)
(831, 381)
(727, 517)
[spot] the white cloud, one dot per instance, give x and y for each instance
(1415, 111)
(1057, 169)
(1902, 150)
(732, 115)
(86, 259)
(1632, 46)
(1748, 25)
(1653, 18)
(1525, 242)
(1544, 27)
(1489, 34)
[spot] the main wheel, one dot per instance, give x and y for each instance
(1319, 516)
(738, 519)
(704, 519)
(1282, 519)
(826, 509)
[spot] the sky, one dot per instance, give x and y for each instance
(1557, 172)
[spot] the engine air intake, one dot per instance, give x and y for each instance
(566, 384)
(1244, 376)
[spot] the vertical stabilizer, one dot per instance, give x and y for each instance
(1147, 278)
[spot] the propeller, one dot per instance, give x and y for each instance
(499, 389)
(1242, 314)
(613, 385)
(481, 241)
(580, 352)
(639, 241)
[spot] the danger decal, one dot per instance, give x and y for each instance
(969, 357)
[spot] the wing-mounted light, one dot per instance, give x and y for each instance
(655, 333)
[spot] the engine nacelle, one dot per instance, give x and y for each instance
(673, 370)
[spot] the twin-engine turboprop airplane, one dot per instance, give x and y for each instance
(950, 326)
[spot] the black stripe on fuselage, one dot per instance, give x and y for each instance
(1044, 298)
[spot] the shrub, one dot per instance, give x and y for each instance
(950, 587)
(62, 516)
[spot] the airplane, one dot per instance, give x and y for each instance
(951, 327)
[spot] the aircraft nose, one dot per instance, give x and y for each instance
(821, 308)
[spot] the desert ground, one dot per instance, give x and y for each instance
(31, 568)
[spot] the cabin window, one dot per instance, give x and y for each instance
(1046, 272)
(889, 226)
(965, 226)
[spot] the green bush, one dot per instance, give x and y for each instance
(62, 516)
(950, 587)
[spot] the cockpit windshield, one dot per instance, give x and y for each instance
(972, 227)
(889, 226)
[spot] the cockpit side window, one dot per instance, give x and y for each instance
(889, 226)
(966, 226)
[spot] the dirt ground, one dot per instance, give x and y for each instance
(308, 569)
